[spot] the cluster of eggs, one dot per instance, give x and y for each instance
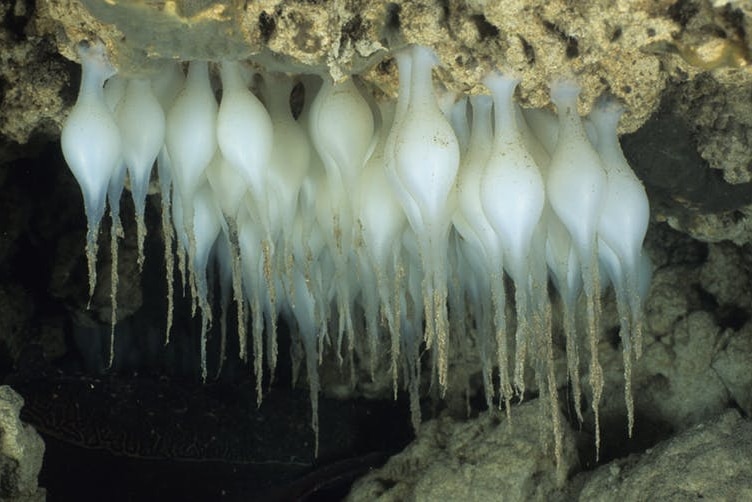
(365, 215)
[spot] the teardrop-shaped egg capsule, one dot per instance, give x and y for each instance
(622, 227)
(290, 155)
(191, 143)
(552, 248)
(470, 219)
(404, 64)
(423, 172)
(513, 195)
(341, 127)
(191, 138)
(624, 220)
(91, 144)
(288, 165)
(576, 189)
(381, 223)
(245, 134)
(380, 215)
(426, 139)
(514, 198)
(480, 245)
(191, 115)
(142, 129)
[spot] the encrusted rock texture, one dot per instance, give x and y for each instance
(710, 461)
(630, 48)
(488, 458)
(484, 459)
(21, 452)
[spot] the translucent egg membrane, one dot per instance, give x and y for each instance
(389, 225)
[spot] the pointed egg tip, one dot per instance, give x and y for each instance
(427, 54)
(402, 56)
(609, 103)
(95, 53)
(607, 111)
(500, 82)
(481, 101)
(565, 91)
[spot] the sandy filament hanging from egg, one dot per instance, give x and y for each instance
(513, 195)
(341, 130)
(381, 223)
(479, 248)
(576, 189)
(91, 144)
(245, 138)
(191, 144)
(166, 86)
(404, 214)
(114, 90)
(621, 231)
(422, 162)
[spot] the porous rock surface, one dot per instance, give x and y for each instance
(21, 452)
(630, 48)
(479, 459)
(710, 461)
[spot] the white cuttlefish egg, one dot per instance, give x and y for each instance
(142, 128)
(422, 162)
(206, 229)
(621, 232)
(381, 223)
(91, 144)
(191, 138)
(513, 195)
(341, 127)
(245, 134)
(576, 189)
(624, 220)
